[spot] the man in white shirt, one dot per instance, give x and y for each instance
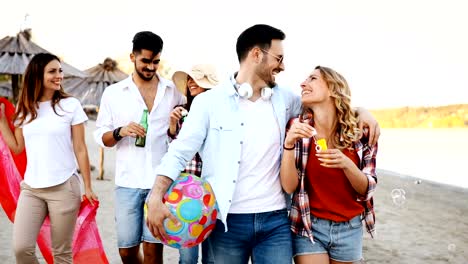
(122, 106)
(239, 130)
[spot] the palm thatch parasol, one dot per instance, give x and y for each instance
(89, 89)
(15, 54)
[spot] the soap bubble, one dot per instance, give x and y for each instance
(398, 193)
(398, 196)
(452, 247)
(399, 200)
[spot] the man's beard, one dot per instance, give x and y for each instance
(266, 76)
(142, 76)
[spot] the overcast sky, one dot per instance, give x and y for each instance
(393, 53)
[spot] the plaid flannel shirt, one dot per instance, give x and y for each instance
(300, 209)
(194, 167)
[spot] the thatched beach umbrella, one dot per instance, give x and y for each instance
(15, 54)
(89, 91)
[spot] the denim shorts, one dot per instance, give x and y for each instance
(342, 241)
(129, 217)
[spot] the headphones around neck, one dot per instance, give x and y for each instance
(245, 91)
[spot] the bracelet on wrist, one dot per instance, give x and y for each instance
(170, 135)
(286, 148)
(116, 134)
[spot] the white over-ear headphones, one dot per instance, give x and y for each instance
(266, 93)
(245, 91)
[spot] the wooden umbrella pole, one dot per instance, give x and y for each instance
(101, 164)
(15, 87)
(101, 158)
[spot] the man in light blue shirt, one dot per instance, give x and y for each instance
(238, 128)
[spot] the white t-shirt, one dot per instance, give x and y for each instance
(258, 188)
(48, 143)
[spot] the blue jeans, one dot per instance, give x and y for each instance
(263, 237)
(190, 255)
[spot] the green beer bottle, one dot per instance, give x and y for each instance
(140, 141)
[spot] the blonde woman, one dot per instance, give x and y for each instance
(49, 124)
(331, 173)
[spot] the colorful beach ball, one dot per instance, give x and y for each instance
(191, 199)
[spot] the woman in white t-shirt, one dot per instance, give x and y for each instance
(49, 124)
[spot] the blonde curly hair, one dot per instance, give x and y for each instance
(346, 125)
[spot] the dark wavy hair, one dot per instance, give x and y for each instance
(33, 88)
(147, 40)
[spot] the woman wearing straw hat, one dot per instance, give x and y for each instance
(191, 83)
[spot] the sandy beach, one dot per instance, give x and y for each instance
(428, 225)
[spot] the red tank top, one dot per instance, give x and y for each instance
(331, 195)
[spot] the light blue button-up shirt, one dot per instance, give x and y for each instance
(214, 128)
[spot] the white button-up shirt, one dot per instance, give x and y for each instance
(214, 128)
(122, 103)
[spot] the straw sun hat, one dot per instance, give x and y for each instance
(203, 74)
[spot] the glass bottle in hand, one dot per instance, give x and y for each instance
(140, 141)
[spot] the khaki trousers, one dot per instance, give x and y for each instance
(61, 203)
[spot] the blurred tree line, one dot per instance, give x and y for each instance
(450, 116)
